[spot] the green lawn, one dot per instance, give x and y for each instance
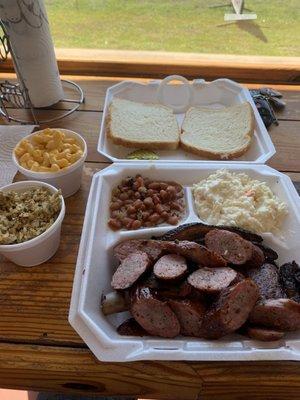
(176, 25)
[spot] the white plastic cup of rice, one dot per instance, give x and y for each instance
(39, 249)
(68, 180)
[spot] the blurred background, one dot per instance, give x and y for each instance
(195, 26)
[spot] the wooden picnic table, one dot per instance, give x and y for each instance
(40, 351)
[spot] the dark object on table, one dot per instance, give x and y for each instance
(289, 274)
(266, 100)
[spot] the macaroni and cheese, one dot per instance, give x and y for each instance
(48, 151)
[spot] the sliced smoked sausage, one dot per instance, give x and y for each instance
(267, 279)
(231, 310)
(234, 248)
(190, 314)
(197, 230)
(166, 289)
(131, 328)
(281, 314)
(130, 269)
(155, 316)
(257, 258)
(212, 280)
(239, 278)
(229, 245)
(154, 248)
(264, 334)
(197, 253)
(269, 254)
(170, 266)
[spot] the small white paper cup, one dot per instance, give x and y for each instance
(39, 249)
(68, 179)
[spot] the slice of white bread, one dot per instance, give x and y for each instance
(218, 133)
(143, 126)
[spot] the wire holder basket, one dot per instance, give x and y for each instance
(15, 95)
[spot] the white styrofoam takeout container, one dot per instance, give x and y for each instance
(96, 264)
(67, 179)
(39, 249)
(216, 94)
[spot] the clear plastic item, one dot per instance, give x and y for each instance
(39, 249)
(96, 264)
(180, 97)
(67, 179)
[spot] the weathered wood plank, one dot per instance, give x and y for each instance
(76, 371)
(286, 138)
(156, 64)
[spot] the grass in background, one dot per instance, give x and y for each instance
(176, 25)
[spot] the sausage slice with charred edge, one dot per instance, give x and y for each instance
(264, 334)
(154, 315)
(166, 289)
(257, 258)
(197, 253)
(130, 269)
(233, 248)
(154, 248)
(169, 267)
(231, 310)
(281, 314)
(269, 254)
(190, 314)
(197, 230)
(212, 280)
(239, 278)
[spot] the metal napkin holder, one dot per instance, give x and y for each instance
(15, 95)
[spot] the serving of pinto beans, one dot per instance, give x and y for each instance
(139, 202)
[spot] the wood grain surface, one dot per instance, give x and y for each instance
(159, 64)
(77, 371)
(40, 351)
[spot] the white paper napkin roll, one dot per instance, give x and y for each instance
(27, 25)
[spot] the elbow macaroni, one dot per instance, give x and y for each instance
(48, 151)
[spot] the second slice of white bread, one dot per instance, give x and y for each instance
(218, 133)
(142, 125)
